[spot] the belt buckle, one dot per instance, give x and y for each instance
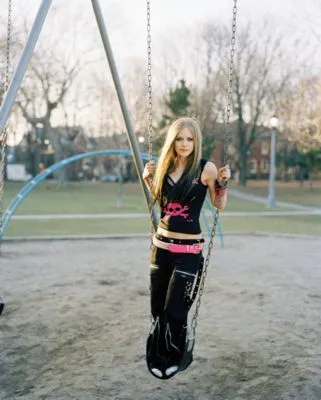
(197, 248)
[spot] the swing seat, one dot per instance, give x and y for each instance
(187, 357)
(161, 364)
(1, 305)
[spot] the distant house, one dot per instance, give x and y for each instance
(258, 157)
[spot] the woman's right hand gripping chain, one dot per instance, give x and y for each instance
(149, 170)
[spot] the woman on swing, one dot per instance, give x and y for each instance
(179, 184)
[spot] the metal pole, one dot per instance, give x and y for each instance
(128, 122)
(271, 203)
(22, 66)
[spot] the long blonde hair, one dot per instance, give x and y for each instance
(167, 161)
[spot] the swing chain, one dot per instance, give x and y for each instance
(4, 135)
(226, 143)
(149, 81)
(150, 112)
(8, 46)
(230, 86)
(204, 274)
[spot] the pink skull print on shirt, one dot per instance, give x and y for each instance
(175, 210)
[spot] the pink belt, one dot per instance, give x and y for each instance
(178, 248)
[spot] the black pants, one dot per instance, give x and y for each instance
(172, 277)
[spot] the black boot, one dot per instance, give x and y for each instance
(156, 350)
(175, 335)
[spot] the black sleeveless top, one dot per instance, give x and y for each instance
(182, 215)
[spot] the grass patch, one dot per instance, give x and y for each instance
(78, 227)
(88, 198)
(290, 192)
(77, 198)
(305, 225)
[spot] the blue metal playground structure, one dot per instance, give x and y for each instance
(28, 187)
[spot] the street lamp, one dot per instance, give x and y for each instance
(271, 201)
(141, 140)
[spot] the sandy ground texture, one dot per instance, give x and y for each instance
(77, 317)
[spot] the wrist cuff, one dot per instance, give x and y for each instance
(218, 185)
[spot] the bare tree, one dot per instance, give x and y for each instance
(300, 109)
(44, 90)
(313, 18)
(109, 118)
(45, 87)
(260, 75)
(134, 85)
(257, 81)
(135, 88)
(209, 92)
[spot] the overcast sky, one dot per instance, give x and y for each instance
(126, 21)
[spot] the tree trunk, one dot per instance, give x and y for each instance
(242, 150)
(301, 176)
(120, 187)
(243, 167)
(311, 179)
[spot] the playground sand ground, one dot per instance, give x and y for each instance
(77, 317)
